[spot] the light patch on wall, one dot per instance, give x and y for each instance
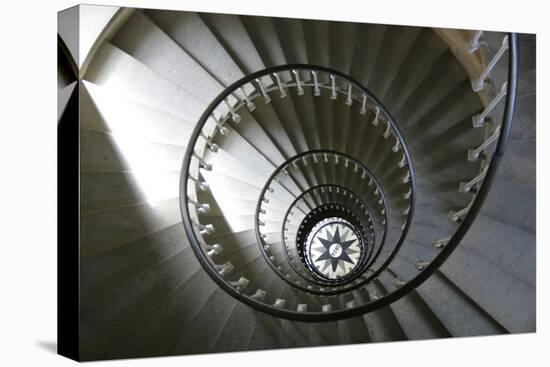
(236, 208)
(143, 142)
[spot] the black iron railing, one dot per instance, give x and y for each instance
(482, 184)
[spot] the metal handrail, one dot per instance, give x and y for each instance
(186, 215)
(428, 270)
(287, 256)
(317, 187)
(361, 264)
(260, 240)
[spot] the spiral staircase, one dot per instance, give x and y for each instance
(256, 183)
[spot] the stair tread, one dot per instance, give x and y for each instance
(516, 313)
(111, 269)
(116, 70)
(459, 314)
(207, 324)
(144, 40)
(230, 31)
(505, 246)
(113, 316)
(202, 45)
(103, 191)
(106, 111)
(262, 32)
(154, 335)
(106, 152)
(414, 316)
(381, 324)
(103, 231)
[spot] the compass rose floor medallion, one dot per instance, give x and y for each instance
(334, 248)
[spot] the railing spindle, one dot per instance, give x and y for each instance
(473, 154)
(479, 119)
(479, 84)
(474, 43)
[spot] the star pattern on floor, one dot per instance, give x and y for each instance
(335, 250)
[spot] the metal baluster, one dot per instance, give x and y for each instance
(479, 83)
(205, 229)
(474, 43)
(240, 284)
(280, 85)
(440, 243)
(201, 208)
(349, 100)
(421, 265)
(473, 154)
(466, 186)
(267, 99)
(455, 215)
(202, 185)
(402, 162)
(364, 105)
(316, 89)
(234, 115)
(333, 94)
(397, 145)
(202, 162)
(279, 302)
(399, 283)
(224, 269)
(259, 295)
(251, 107)
(479, 119)
(212, 146)
(214, 249)
(375, 121)
(387, 132)
(222, 129)
(298, 82)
